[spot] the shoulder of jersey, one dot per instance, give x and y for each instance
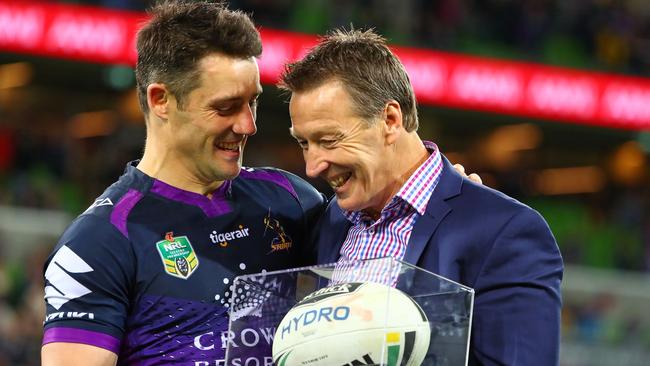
(110, 199)
(289, 181)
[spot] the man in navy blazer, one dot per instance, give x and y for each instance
(353, 112)
(501, 248)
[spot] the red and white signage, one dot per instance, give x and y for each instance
(108, 36)
(69, 31)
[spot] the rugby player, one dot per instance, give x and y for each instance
(144, 275)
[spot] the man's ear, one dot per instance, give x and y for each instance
(158, 98)
(393, 121)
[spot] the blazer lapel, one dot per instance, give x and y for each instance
(449, 186)
(424, 228)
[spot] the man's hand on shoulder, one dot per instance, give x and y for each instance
(473, 177)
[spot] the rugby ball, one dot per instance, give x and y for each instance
(353, 324)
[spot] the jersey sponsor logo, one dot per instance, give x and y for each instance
(238, 361)
(250, 338)
(100, 202)
(223, 238)
(63, 287)
(69, 314)
(247, 337)
(177, 254)
(281, 240)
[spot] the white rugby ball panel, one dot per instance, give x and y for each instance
(365, 347)
(350, 324)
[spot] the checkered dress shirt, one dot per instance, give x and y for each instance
(389, 235)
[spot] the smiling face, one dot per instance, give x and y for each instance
(356, 158)
(205, 138)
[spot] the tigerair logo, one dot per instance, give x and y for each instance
(224, 239)
(281, 241)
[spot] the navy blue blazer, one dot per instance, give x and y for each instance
(501, 248)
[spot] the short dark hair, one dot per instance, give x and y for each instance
(369, 71)
(182, 32)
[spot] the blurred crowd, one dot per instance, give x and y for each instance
(21, 308)
(47, 163)
(612, 35)
(609, 35)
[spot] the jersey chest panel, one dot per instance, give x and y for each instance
(186, 266)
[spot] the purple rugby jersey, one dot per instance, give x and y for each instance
(146, 271)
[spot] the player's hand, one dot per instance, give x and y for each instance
(473, 177)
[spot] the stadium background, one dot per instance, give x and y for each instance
(67, 128)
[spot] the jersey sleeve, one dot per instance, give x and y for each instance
(88, 278)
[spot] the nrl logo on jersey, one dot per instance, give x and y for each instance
(281, 240)
(177, 254)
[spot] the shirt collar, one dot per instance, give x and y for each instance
(417, 190)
